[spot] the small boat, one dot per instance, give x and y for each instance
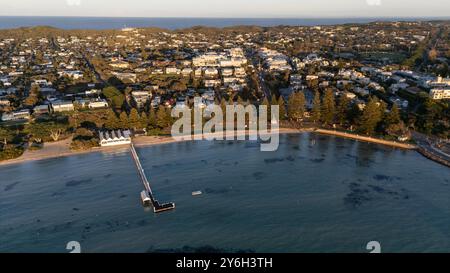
(195, 193)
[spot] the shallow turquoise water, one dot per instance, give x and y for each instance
(334, 196)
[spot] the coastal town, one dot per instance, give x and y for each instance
(94, 88)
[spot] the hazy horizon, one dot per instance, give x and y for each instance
(229, 9)
(205, 17)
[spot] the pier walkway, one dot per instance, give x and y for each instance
(157, 207)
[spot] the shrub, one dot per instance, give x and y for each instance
(10, 152)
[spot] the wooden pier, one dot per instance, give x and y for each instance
(147, 195)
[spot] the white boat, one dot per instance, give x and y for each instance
(195, 193)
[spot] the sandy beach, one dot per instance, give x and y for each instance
(62, 148)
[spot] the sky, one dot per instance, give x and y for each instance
(228, 8)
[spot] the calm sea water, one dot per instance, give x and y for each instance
(174, 23)
(334, 196)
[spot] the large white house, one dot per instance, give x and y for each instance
(113, 138)
(62, 106)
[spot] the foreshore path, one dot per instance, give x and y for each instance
(367, 139)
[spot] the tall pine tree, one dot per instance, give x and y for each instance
(316, 111)
(152, 119)
(328, 107)
(134, 119)
(124, 122)
(370, 117)
(282, 107)
(112, 122)
(342, 109)
(296, 106)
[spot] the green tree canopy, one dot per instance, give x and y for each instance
(328, 107)
(124, 121)
(134, 119)
(342, 109)
(296, 106)
(112, 122)
(316, 111)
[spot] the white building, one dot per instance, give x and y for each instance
(211, 72)
(63, 106)
(141, 97)
(440, 93)
(114, 138)
(16, 115)
(96, 104)
(172, 70)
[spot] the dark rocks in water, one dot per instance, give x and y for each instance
(11, 186)
(258, 175)
(357, 196)
(317, 160)
(73, 183)
(201, 249)
(76, 209)
(381, 177)
(273, 160)
(290, 158)
(381, 190)
(123, 196)
(377, 189)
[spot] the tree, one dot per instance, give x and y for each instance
(316, 111)
(240, 101)
(282, 107)
(266, 103)
(152, 119)
(432, 54)
(33, 96)
(273, 101)
(370, 117)
(162, 120)
(114, 96)
(169, 116)
(46, 131)
(328, 107)
(143, 120)
(178, 86)
(5, 136)
(296, 106)
(112, 122)
(134, 119)
(393, 117)
(124, 122)
(342, 109)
